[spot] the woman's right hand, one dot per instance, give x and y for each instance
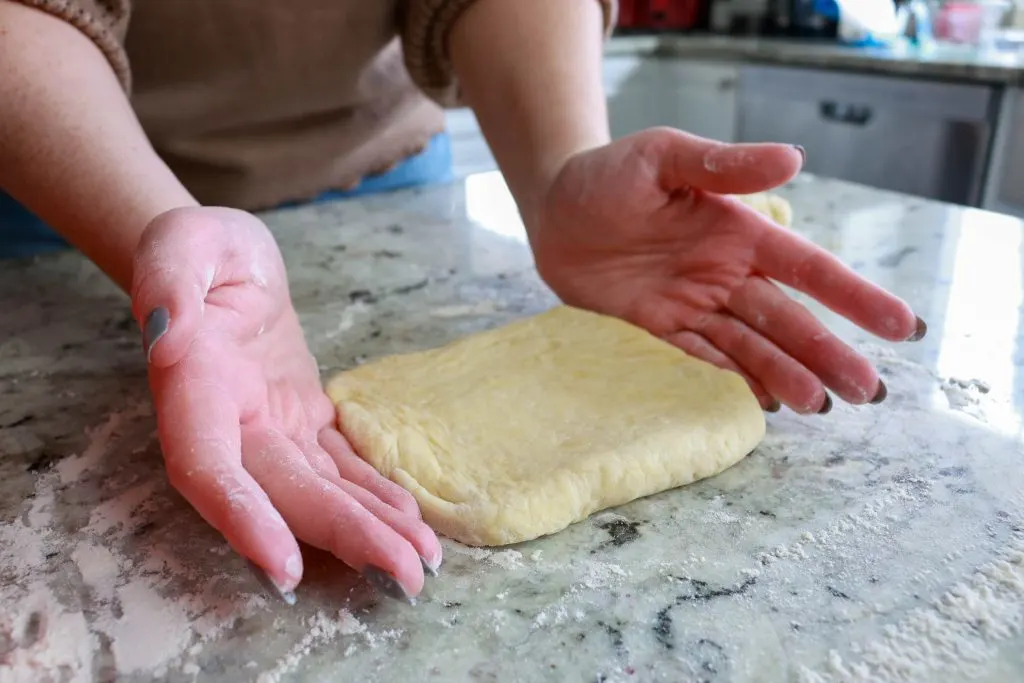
(248, 435)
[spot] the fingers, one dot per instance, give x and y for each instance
(697, 346)
(781, 375)
(690, 161)
(337, 518)
(767, 309)
(356, 470)
(792, 260)
(406, 522)
(199, 432)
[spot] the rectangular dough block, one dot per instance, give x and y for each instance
(520, 431)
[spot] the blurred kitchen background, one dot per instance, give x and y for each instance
(924, 97)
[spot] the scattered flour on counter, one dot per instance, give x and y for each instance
(142, 610)
(468, 550)
(958, 632)
(118, 514)
(870, 518)
(715, 512)
(505, 559)
(73, 467)
(465, 310)
(50, 642)
(887, 356)
(590, 578)
(966, 396)
(348, 319)
(602, 574)
(150, 632)
(499, 618)
(99, 568)
(962, 395)
(322, 629)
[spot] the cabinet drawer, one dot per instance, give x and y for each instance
(922, 138)
(952, 101)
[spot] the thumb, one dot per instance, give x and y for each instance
(175, 265)
(690, 161)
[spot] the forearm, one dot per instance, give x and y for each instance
(71, 148)
(531, 71)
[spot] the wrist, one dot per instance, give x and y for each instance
(532, 190)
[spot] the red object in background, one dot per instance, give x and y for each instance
(659, 14)
(959, 22)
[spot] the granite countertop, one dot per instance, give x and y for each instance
(875, 543)
(947, 63)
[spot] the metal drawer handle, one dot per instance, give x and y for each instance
(850, 114)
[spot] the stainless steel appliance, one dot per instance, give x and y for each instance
(922, 138)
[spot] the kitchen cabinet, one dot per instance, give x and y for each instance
(929, 139)
(955, 142)
(1005, 186)
(634, 91)
(693, 95)
(704, 97)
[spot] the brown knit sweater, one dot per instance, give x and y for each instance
(255, 102)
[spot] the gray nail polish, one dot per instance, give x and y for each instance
(826, 407)
(803, 153)
(881, 394)
(427, 568)
(385, 583)
(268, 583)
(920, 332)
(157, 323)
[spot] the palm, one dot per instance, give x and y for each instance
(247, 431)
(265, 374)
(642, 229)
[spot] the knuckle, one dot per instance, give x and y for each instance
(405, 501)
(344, 523)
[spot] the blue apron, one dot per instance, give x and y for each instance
(23, 234)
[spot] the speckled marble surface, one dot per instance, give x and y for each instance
(950, 63)
(878, 543)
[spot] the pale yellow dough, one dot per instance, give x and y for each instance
(771, 205)
(520, 431)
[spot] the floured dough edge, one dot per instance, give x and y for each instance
(369, 436)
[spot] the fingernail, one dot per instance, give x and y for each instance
(774, 407)
(293, 567)
(826, 407)
(920, 332)
(428, 569)
(385, 583)
(881, 394)
(287, 596)
(156, 325)
(803, 153)
(269, 584)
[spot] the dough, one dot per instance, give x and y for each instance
(520, 431)
(771, 205)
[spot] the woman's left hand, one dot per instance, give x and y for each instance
(641, 229)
